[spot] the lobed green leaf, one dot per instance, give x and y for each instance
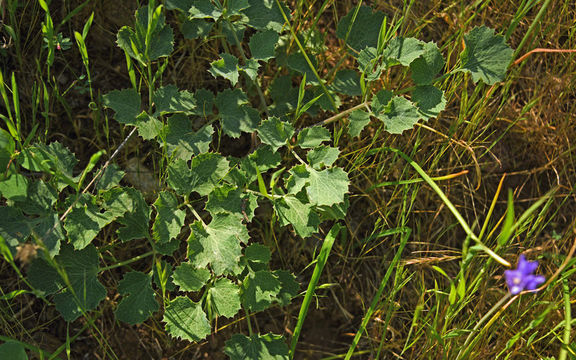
(403, 50)
(226, 66)
(358, 119)
(110, 177)
(169, 100)
(486, 56)
(256, 347)
(186, 320)
(13, 350)
(217, 244)
(204, 174)
(182, 141)
(148, 126)
(265, 14)
(263, 44)
(347, 82)
(429, 100)
(81, 269)
(322, 156)
(428, 65)
(196, 28)
(235, 115)
(138, 303)
(398, 115)
(126, 104)
(325, 187)
(300, 214)
(190, 278)
(312, 136)
(362, 30)
(275, 132)
(136, 215)
(225, 298)
(169, 219)
(204, 9)
(258, 253)
(260, 290)
(85, 221)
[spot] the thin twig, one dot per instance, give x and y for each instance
(337, 116)
(542, 50)
(97, 176)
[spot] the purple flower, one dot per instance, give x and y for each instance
(521, 278)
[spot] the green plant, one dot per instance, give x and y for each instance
(209, 198)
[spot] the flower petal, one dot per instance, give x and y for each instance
(521, 278)
(525, 266)
(532, 281)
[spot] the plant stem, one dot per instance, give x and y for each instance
(248, 322)
(295, 37)
(345, 112)
(532, 26)
(450, 206)
(321, 261)
(126, 262)
(378, 295)
(567, 321)
(498, 306)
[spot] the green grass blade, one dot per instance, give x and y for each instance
(352, 21)
(74, 12)
(508, 221)
(491, 210)
(295, 37)
(526, 214)
(532, 27)
(85, 60)
(87, 26)
(91, 163)
(320, 262)
(376, 298)
(16, 103)
(316, 19)
(8, 120)
(301, 92)
(449, 205)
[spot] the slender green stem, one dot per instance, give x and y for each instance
(532, 27)
(321, 261)
(378, 295)
(126, 262)
(295, 37)
(491, 209)
(344, 113)
(415, 181)
(150, 87)
(297, 157)
(69, 340)
(196, 215)
(269, 196)
(450, 206)
(337, 116)
(498, 306)
(248, 322)
(567, 321)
